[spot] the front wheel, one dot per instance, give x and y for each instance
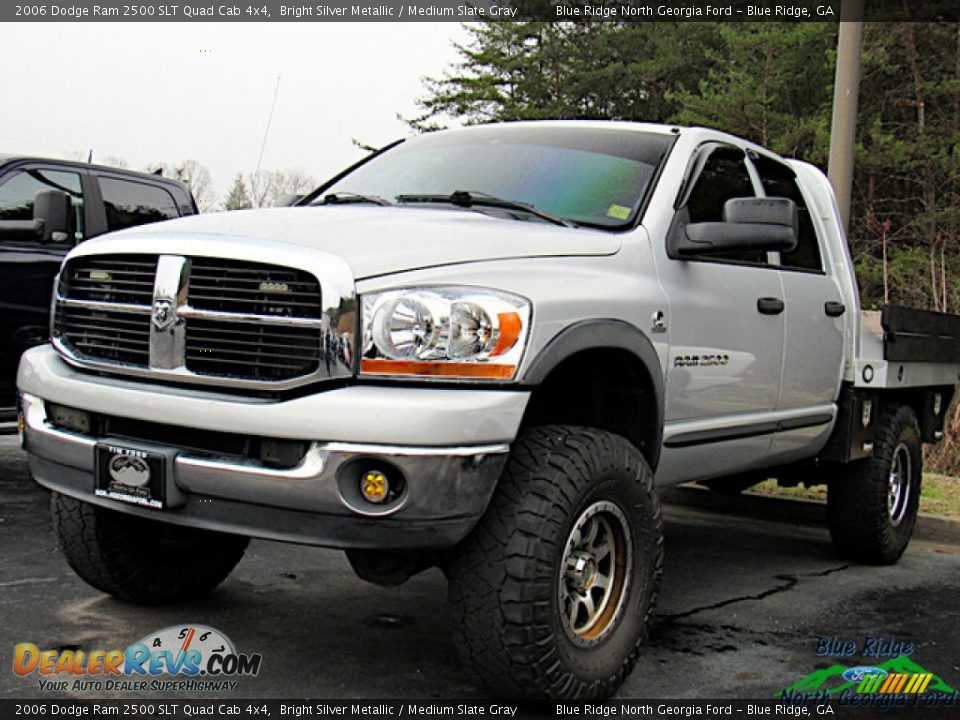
(554, 588)
(142, 560)
(872, 510)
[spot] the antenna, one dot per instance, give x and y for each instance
(90, 156)
(266, 132)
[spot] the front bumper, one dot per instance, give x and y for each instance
(448, 483)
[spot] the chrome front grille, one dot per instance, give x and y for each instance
(199, 319)
(117, 337)
(244, 287)
(115, 279)
(254, 350)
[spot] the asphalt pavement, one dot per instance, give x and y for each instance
(743, 607)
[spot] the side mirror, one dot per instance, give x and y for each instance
(749, 224)
(288, 199)
(54, 210)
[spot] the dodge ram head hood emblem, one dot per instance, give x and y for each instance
(162, 313)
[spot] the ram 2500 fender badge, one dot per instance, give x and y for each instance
(710, 360)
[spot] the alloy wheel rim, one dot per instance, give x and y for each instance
(899, 484)
(594, 573)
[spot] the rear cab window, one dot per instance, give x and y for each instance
(129, 203)
(779, 180)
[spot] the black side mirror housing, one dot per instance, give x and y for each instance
(749, 224)
(54, 210)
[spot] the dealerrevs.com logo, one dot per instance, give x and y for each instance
(187, 658)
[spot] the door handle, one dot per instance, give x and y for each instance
(770, 306)
(834, 309)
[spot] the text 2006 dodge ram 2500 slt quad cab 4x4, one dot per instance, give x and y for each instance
(482, 349)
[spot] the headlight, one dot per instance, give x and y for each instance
(456, 332)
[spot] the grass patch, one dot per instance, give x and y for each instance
(940, 496)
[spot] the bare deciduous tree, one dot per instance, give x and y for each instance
(265, 187)
(195, 176)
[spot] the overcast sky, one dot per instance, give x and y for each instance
(166, 92)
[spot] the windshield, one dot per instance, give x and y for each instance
(592, 176)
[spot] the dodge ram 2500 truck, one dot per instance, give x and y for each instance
(482, 349)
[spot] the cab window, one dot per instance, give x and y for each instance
(780, 181)
(128, 203)
(18, 192)
(724, 176)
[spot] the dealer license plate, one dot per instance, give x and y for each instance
(131, 476)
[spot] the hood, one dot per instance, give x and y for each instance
(382, 240)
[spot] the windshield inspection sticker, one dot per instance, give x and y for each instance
(619, 212)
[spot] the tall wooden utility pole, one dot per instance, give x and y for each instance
(843, 126)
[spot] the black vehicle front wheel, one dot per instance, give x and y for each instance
(140, 560)
(554, 588)
(872, 508)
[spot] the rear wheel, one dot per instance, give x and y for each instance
(141, 560)
(554, 588)
(872, 509)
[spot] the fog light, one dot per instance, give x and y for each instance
(371, 486)
(374, 486)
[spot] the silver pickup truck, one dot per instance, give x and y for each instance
(482, 349)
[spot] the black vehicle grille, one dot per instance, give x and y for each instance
(104, 316)
(105, 335)
(236, 286)
(115, 278)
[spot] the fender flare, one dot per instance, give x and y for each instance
(600, 334)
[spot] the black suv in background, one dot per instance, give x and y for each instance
(47, 207)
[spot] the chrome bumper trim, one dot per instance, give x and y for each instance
(405, 450)
(311, 466)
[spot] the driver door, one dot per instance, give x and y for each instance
(27, 267)
(726, 337)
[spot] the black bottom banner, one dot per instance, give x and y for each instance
(207, 708)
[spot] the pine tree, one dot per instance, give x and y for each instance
(237, 197)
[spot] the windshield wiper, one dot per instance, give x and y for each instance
(468, 199)
(346, 198)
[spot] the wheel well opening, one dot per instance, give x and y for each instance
(604, 388)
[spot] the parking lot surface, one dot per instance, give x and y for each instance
(742, 608)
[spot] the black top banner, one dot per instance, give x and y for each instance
(479, 11)
(220, 709)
